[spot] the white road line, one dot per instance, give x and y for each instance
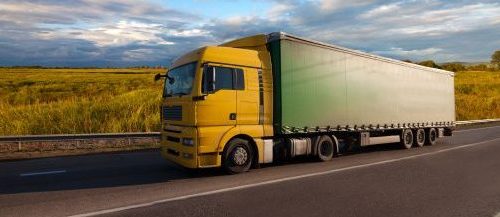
(474, 129)
(273, 181)
(42, 173)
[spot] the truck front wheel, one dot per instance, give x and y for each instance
(237, 157)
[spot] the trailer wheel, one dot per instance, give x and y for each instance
(406, 139)
(238, 156)
(431, 136)
(419, 137)
(325, 148)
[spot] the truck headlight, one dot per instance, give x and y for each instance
(188, 141)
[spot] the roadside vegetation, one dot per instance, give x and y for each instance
(56, 101)
(477, 87)
(477, 95)
(59, 101)
(493, 65)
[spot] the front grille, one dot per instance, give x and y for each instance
(172, 113)
(173, 139)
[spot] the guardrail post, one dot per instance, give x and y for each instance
(19, 147)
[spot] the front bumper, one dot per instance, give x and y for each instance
(173, 149)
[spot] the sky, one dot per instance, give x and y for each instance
(119, 33)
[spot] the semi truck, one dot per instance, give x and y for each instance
(272, 97)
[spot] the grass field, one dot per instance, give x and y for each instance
(55, 101)
(477, 95)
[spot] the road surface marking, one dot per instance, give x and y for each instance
(474, 129)
(42, 173)
(118, 209)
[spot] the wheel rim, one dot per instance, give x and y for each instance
(421, 137)
(432, 135)
(325, 149)
(408, 138)
(240, 156)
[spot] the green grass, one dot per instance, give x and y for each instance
(477, 95)
(56, 101)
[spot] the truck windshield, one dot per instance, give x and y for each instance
(179, 81)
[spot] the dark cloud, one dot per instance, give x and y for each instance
(124, 33)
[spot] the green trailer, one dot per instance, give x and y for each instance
(321, 86)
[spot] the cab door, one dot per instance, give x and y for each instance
(219, 105)
(247, 96)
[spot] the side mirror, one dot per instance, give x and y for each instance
(159, 76)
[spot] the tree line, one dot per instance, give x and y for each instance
(455, 67)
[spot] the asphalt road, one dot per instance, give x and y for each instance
(460, 176)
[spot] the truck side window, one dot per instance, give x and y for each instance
(225, 79)
(239, 81)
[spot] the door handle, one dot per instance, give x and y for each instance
(232, 116)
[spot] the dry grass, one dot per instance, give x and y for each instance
(477, 95)
(55, 101)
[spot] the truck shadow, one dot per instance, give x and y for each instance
(381, 148)
(119, 170)
(94, 171)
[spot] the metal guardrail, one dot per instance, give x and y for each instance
(62, 137)
(483, 121)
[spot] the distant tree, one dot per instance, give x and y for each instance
(407, 60)
(429, 63)
(495, 59)
(480, 67)
(454, 67)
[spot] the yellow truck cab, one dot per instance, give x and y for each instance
(214, 96)
(271, 97)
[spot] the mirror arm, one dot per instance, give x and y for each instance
(159, 76)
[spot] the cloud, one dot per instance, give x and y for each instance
(332, 5)
(71, 12)
(415, 54)
(415, 19)
(92, 32)
(125, 32)
(129, 32)
(381, 10)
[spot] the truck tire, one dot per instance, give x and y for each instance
(419, 139)
(325, 148)
(406, 139)
(431, 136)
(237, 157)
